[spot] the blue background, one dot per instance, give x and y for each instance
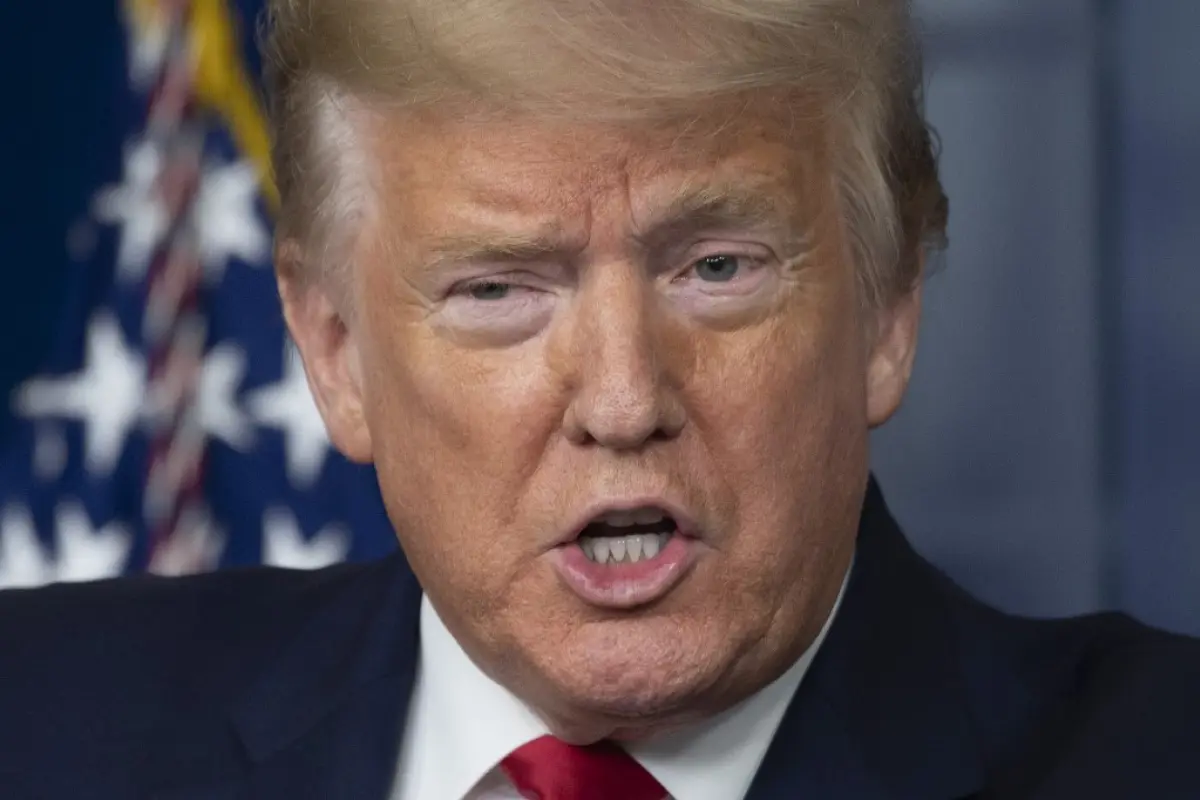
(1049, 453)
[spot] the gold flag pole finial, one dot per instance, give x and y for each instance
(223, 84)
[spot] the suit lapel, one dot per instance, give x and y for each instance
(348, 755)
(882, 712)
(324, 721)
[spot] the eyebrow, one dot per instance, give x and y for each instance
(499, 246)
(692, 209)
(711, 206)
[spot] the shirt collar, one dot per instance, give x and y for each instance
(462, 724)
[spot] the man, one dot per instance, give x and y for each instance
(610, 293)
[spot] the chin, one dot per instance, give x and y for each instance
(637, 677)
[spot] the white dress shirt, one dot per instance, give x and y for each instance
(461, 724)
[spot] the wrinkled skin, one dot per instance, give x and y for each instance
(722, 360)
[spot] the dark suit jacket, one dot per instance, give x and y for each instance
(265, 684)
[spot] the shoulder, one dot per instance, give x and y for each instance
(1099, 705)
(1128, 722)
(73, 617)
(128, 650)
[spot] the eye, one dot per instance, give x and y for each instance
(485, 290)
(719, 268)
(501, 308)
(722, 283)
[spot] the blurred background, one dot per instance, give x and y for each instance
(1048, 456)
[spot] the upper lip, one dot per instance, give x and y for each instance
(684, 521)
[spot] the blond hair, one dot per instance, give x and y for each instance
(631, 60)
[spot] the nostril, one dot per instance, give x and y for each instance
(662, 435)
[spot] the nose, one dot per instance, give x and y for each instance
(622, 398)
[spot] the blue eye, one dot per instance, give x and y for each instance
(717, 269)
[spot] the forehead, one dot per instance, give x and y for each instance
(435, 171)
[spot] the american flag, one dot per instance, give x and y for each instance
(172, 430)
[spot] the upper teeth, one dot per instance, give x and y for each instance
(638, 516)
(630, 549)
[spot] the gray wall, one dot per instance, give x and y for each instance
(1046, 456)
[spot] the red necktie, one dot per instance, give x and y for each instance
(550, 769)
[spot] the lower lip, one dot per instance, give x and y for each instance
(624, 585)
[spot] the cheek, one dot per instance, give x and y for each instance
(782, 416)
(765, 396)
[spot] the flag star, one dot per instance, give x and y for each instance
(226, 218)
(23, 560)
(288, 406)
(87, 553)
(83, 552)
(219, 414)
(135, 205)
(285, 546)
(106, 395)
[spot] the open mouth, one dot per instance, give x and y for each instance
(628, 554)
(627, 537)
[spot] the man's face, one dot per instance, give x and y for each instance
(568, 346)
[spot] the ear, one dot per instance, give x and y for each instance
(318, 326)
(890, 363)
